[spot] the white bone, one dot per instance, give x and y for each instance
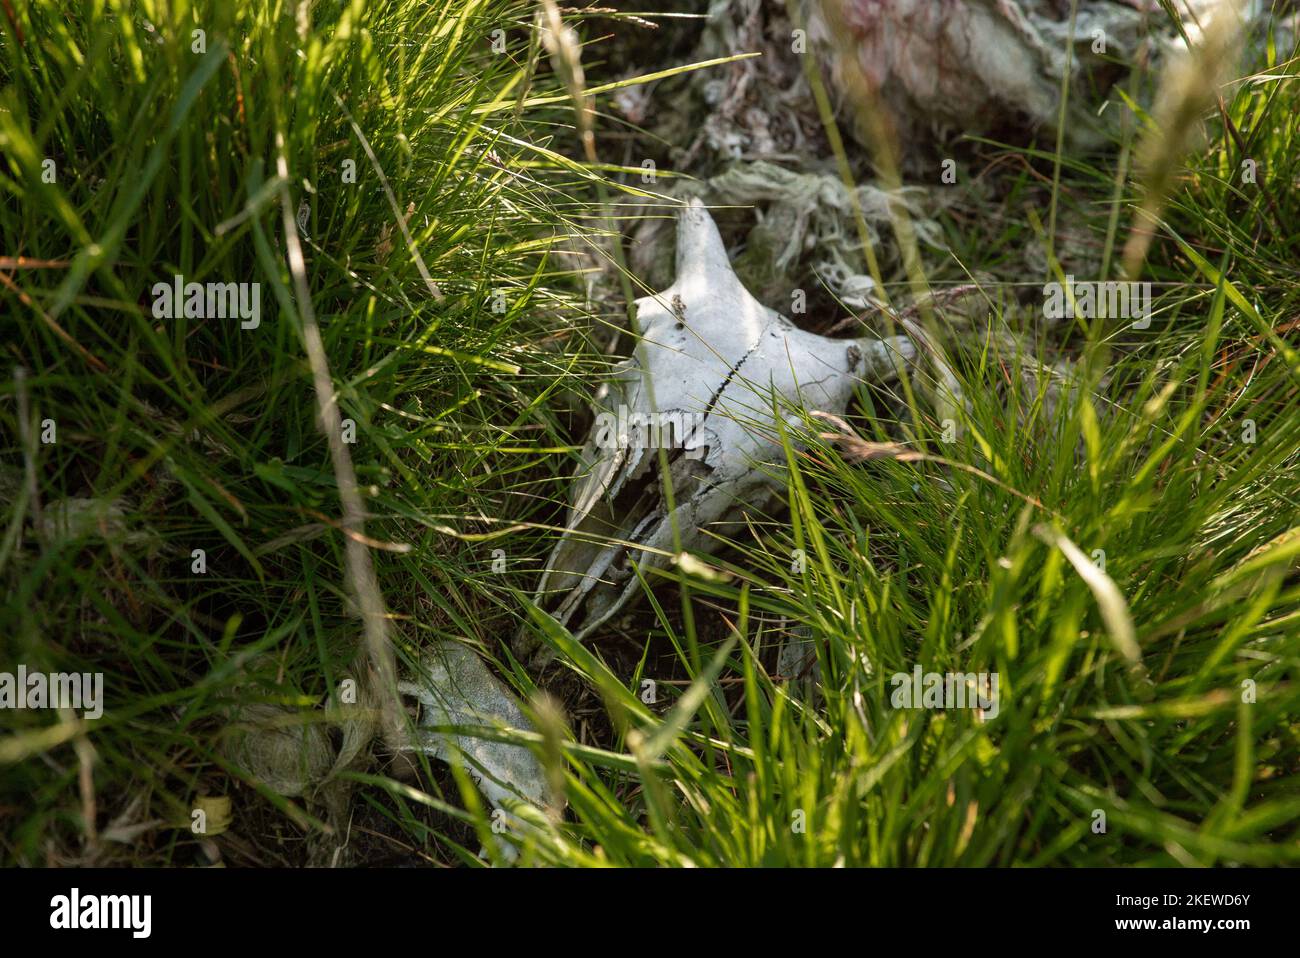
(708, 364)
(455, 688)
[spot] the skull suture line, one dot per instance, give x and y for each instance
(711, 370)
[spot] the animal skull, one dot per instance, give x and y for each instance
(709, 373)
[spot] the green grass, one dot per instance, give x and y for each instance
(202, 435)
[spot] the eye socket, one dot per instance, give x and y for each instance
(410, 701)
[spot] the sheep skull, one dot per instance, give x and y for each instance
(702, 390)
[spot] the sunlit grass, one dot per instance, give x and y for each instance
(457, 341)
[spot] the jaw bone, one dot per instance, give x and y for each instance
(702, 388)
(456, 690)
